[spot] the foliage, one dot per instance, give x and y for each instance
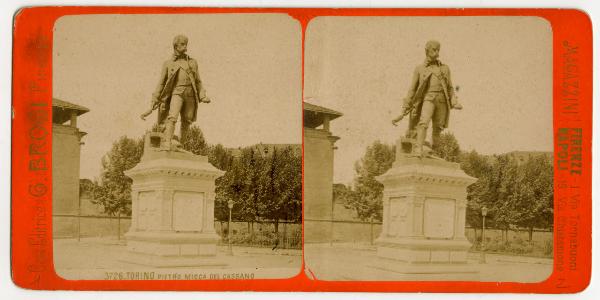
(220, 157)
(517, 191)
(366, 197)
(281, 182)
(262, 186)
(448, 147)
(341, 193)
(477, 166)
(534, 195)
(87, 186)
(517, 246)
(113, 190)
(194, 141)
(292, 239)
(514, 245)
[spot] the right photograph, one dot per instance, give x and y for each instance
(428, 149)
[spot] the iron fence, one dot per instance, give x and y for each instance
(353, 231)
(261, 233)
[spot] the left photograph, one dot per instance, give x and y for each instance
(177, 147)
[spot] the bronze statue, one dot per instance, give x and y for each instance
(430, 98)
(178, 92)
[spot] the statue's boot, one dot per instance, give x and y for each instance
(169, 131)
(418, 147)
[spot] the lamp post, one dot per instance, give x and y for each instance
(230, 206)
(484, 212)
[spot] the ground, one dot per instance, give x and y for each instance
(359, 262)
(99, 258)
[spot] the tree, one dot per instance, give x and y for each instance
(368, 192)
(515, 194)
(194, 141)
(240, 184)
(113, 190)
(282, 179)
(269, 204)
(220, 157)
(347, 196)
(87, 186)
(543, 186)
(447, 147)
(290, 188)
(340, 192)
(531, 198)
(228, 187)
(262, 187)
(504, 178)
(477, 166)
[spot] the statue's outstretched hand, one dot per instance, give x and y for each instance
(405, 111)
(455, 104)
(398, 119)
(155, 105)
(205, 100)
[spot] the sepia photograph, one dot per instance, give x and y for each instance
(292, 149)
(176, 146)
(428, 149)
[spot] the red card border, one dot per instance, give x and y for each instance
(32, 265)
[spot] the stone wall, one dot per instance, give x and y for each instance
(318, 183)
(65, 178)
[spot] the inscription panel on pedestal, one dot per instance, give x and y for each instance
(439, 218)
(398, 213)
(188, 211)
(148, 209)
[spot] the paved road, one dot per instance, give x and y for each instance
(100, 258)
(359, 262)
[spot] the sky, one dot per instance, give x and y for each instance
(362, 67)
(250, 65)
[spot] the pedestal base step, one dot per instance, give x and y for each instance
(173, 261)
(423, 255)
(428, 271)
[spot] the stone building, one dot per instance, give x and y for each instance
(66, 143)
(318, 172)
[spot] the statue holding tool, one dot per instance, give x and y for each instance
(178, 93)
(429, 100)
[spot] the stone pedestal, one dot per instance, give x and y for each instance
(172, 209)
(424, 206)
